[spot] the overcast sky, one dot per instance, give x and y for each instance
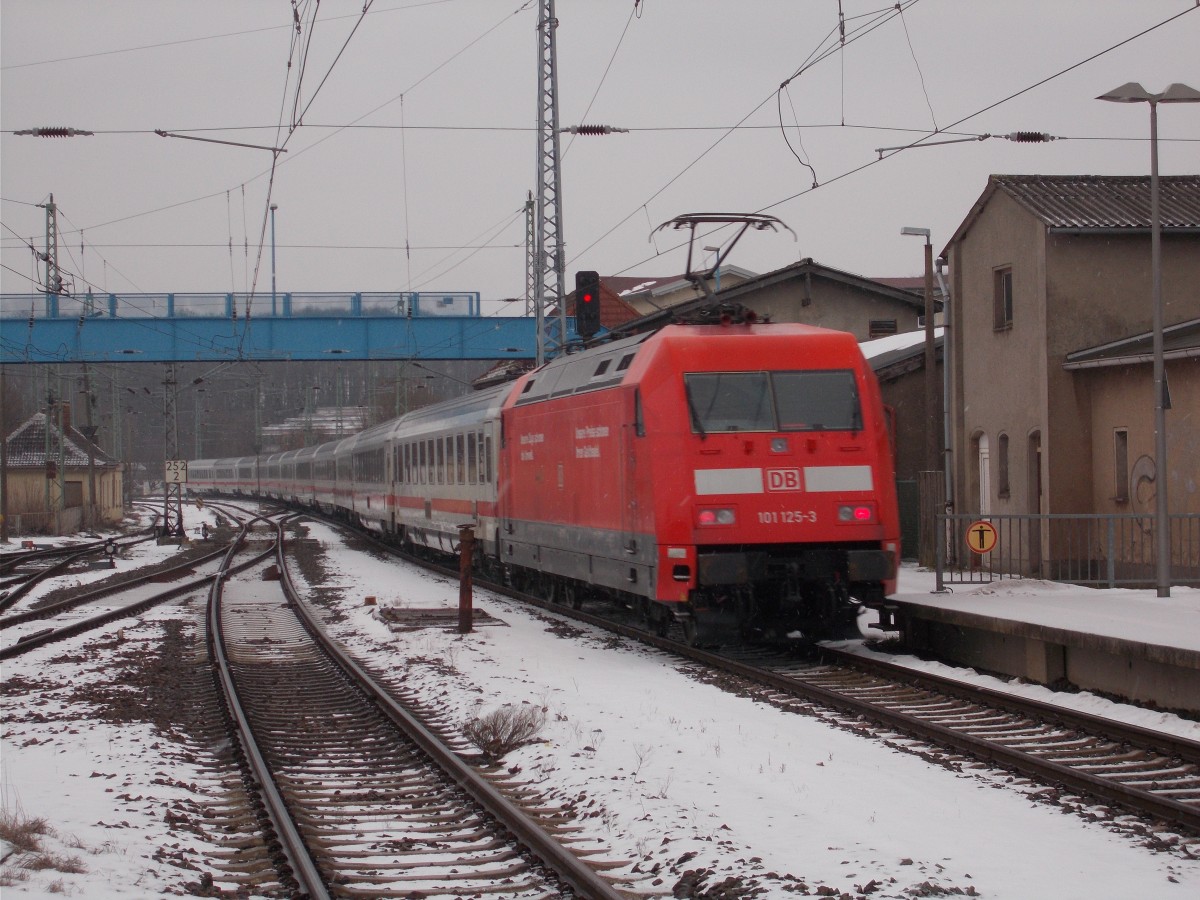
(159, 214)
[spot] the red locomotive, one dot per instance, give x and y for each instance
(723, 475)
(734, 476)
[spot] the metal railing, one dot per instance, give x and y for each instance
(207, 306)
(1089, 549)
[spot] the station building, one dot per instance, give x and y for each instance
(50, 468)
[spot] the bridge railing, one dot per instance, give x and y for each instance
(235, 305)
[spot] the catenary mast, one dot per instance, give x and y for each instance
(549, 264)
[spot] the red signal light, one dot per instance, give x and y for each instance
(587, 304)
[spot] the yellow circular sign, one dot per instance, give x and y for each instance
(981, 537)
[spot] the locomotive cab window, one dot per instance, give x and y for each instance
(819, 400)
(729, 401)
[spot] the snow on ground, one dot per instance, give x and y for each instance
(662, 766)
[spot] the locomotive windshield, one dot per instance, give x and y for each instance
(816, 400)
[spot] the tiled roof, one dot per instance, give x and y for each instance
(27, 446)
(1104, 201)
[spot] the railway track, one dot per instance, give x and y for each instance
(25, 631)
(25, 570)
(365, 800)
(1134, 770)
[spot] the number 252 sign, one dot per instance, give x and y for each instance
(176, 471)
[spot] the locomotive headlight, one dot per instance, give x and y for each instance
(714, 516)
(856, 513)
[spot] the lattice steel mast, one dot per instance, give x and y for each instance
(549, 264)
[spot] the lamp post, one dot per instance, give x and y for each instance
(1132, 92)
(932, 457)
(273, 208)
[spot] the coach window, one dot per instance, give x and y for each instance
(472, 458)
(487, 458)
(460, 457)
(440, 459)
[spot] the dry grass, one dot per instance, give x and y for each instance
(505, 729)
(25, 834)
(22, 832)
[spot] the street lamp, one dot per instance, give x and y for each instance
(1132, 92)
(932, 461)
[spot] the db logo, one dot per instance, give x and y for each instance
(783, 479)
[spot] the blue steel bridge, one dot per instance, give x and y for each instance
(45, 328)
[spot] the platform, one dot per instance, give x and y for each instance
(1130, 644)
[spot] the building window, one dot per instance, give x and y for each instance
(1002, 301)
(1121, 464)
(1004, 489)
(881, 328)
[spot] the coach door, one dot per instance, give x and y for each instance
(630, 432)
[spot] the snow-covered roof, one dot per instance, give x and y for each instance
(27, 446)
(903, 341)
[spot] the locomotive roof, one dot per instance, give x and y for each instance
(587, 370)
(606, 365)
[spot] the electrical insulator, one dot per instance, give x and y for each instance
(592, 130)
(1030, 137)
(57, 131)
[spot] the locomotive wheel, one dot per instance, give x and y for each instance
(690, 632)
(571, 596)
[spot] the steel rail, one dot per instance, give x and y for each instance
(33, 580)
(54, 609)
(1133, 799)
(1119, 732)
(565, 864)
(300, 862)
(1144, 802)
(41, 638)
(10, 561)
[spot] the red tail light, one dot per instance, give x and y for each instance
(857, 513)
(715, 516)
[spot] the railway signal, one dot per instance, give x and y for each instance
(587, 303)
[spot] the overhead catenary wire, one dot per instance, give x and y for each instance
(269, 173)
(815, 146)
(813, 59)
(873, 162)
